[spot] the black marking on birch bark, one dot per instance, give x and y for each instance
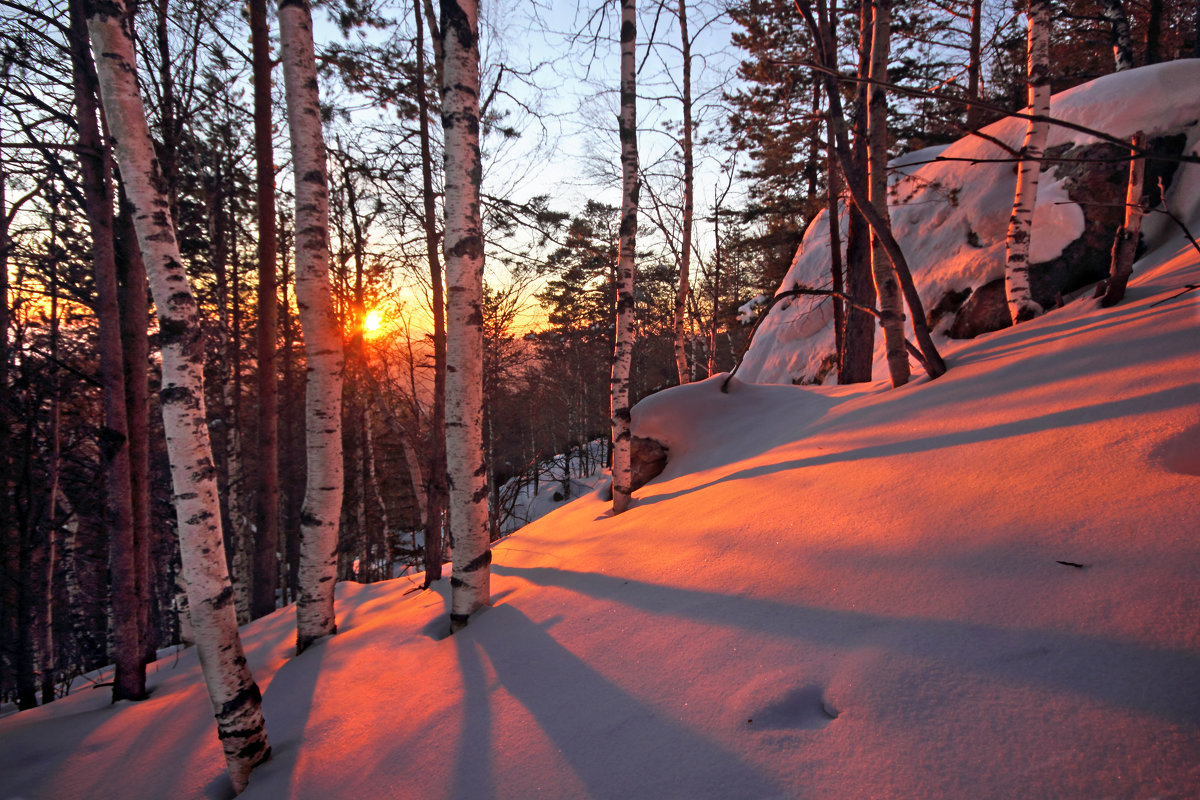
(314, 176)
(171, 331)
(310, 520)
(248, 696)
(466, 247)
(251, 750)
(459, 620)
(175, 394)
(301, 4)
(622, 415)
(479, 562)
(223, 598)
(101, 8)
(324, 579)
(455, 21)
(199, 518)
(479, 495)
(457, 583)
(628, 31)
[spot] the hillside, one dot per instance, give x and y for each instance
(982, 586)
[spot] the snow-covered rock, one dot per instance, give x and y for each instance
(951, 216)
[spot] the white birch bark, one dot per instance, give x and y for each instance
(887, 286)
(630, 186)
(235, 696)
(1114, 12)
(320, 513)
(463, 250)
(1125, 247)
(1021, 305)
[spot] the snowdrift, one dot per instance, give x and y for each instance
(982, 586)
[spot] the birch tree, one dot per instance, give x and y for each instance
(630, 185)
(235, 697)
(1125, 247)
(1021, 305)
(322, 336)
(1122, 43)
(463, 251)
(891, 304)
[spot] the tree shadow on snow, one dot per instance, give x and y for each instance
(1176, 397)
(612, 741)
(1143, 679)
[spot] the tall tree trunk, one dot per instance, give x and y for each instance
(470, 582)
(49, 555)
(266, 539)
(236, 700)
(975, 66)
(685, 255)
(435, 496)
(1154, 32)
(1122, 42)
(322, 338)
(8, 554)
(856, 182)
(887, 288)
(1125, 246)
(1021, 305)
(135, 344)
(129, 680)
(859, 338)
(836, 267)
(630, 186)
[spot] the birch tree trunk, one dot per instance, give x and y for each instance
(1021, 305)
(463, 248)
(1122, 43)
(323, 490)
(235, 697)
(435, 495)
(891, 304)
(974, 65)
(266, 539)
(685, 254)
(630, 186)
(129, 678)
(1125, 246)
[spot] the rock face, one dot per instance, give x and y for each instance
(1094, 176)
(648, 460)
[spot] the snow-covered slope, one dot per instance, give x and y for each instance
(982, 586)
(951, 217)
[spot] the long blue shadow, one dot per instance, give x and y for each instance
(1153, 681)
(618, 746)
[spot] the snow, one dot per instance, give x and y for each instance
(831, 592)
(951, 217)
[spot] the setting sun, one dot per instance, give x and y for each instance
(373, 322)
